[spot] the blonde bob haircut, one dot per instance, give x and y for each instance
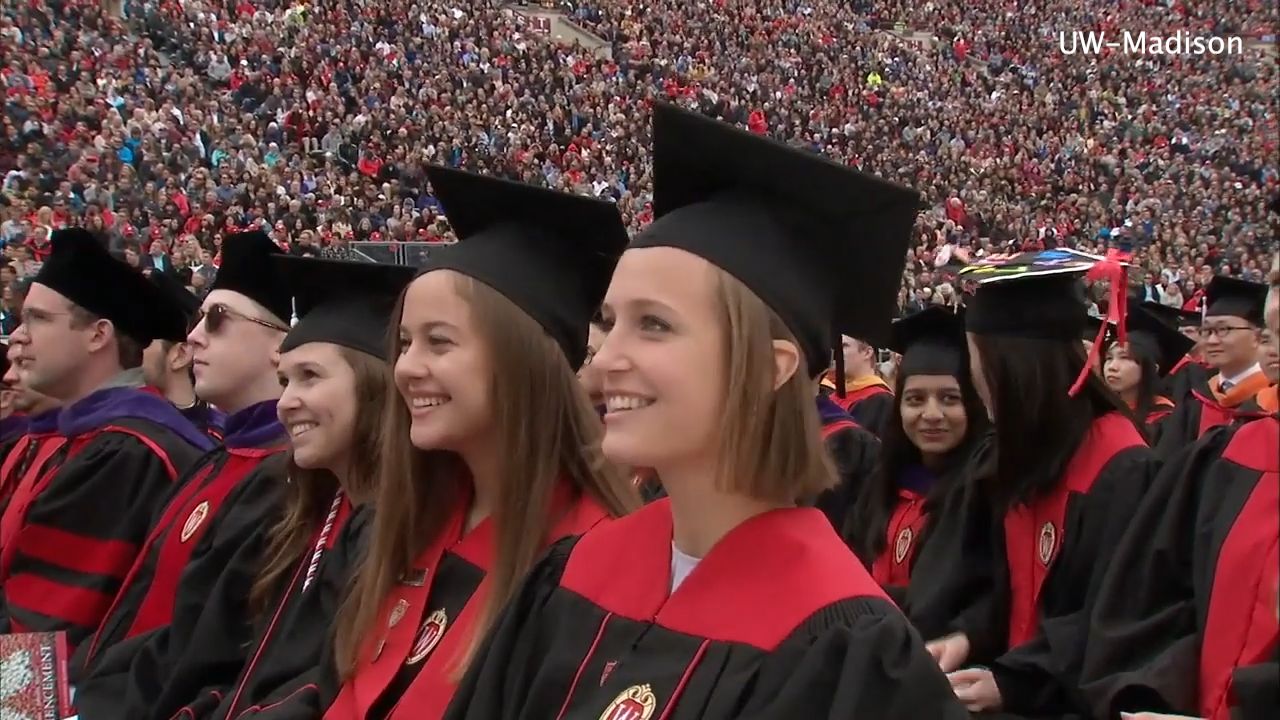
(771, 444)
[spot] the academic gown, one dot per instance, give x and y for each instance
(78, 516)
(407, 671)
(12, 428)
(287, 671)
(215, 526)
(1205, 408)
(855, 452)
(1186, 618)
(871, 406)
(1186, 376)
(1056, 551)
(778, 620)
(38, 431)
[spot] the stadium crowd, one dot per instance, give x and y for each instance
(183, 121)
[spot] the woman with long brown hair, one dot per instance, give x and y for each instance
(726, 599)
(493, 452)
(334, 371)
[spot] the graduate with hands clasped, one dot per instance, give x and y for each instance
(725, 599)
(493, 451)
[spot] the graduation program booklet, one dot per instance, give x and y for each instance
(33, 677)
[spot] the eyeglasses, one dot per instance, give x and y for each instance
(1221, 331)
(218, 315)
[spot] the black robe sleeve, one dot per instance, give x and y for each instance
(1178, 430)
(855, 452)
(153, 674)
(82, 535)
(1143, 650)
(1042, 676)
(1257, 691)
(874, 412)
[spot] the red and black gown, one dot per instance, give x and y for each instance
(778, 620)
(1205, 408)
(37, 431)
(1056, 550)
(855, 452)
(78, 516)
(1185, 621)
(1186, 376)
(221, 510)
(407, 670)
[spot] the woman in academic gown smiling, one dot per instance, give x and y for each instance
(493, 452)
(725, 600)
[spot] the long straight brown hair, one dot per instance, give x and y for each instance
(546, 430)
(309, 493)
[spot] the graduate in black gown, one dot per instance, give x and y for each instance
(1071, 467)
(336, 353)
(929, 442)
(78, 515)
(492, 452)
(227, 498)
(724, 599)
(166, 363)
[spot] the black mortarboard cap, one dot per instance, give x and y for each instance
(343, 302)
(820, 243)
(1036, 306)
(1172, 316)
(179, 307)
(550, 253)
(931, 342)
(246, 269)
(1153, 339)
(81, 270)
(1235, 297)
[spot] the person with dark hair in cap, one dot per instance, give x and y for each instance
(291, 577)
(1230, 339)
(166, 363)
(1133, 370)
(1070, 467)
(937, 424)
(493, 452)
(225, 497)
(38, 418)
(724, 599)
(1191, 371)
(1186, 620)
(79, 514)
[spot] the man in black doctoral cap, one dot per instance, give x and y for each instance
(226, 496)
(167, 361)
(79, 514)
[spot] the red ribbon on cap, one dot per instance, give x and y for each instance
(1112, 269)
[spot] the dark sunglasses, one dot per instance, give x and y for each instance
(218, 315)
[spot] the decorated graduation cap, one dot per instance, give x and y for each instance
(550, 253)
(342, 302)
(246, 269)
(931, 342)
(1236, 298)
(821, 244)
(80, 269)
(178, 309)
(1151, 338)
(1172, 316)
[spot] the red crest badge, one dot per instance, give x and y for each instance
(428, 637)
(902, 545)
(635, 703)
(194, 520)
(1048, 543)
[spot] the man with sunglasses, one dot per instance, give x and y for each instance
(79, 513)
(167, 361)
(1230, 337)
(229, 498)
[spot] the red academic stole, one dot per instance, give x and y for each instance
(831, 428)
(28, 451)
(1221, 408)
(853, 397)
(1034, 533)
(409, 623)
(893, 566)
(25, 491)
(1161, 408)
(1241, 627)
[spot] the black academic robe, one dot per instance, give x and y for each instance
(1205, 408)
(1186, 376)
(287, 670)
(36, 444)
(76, 522)
(778, 620)
(855, 451)
(1056, 550)
(870, 406)
(12, 428)
(1185, 620)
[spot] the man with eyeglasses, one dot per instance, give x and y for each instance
(229, 499)
(167, 361)
(1229, 341)
(79, 513)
